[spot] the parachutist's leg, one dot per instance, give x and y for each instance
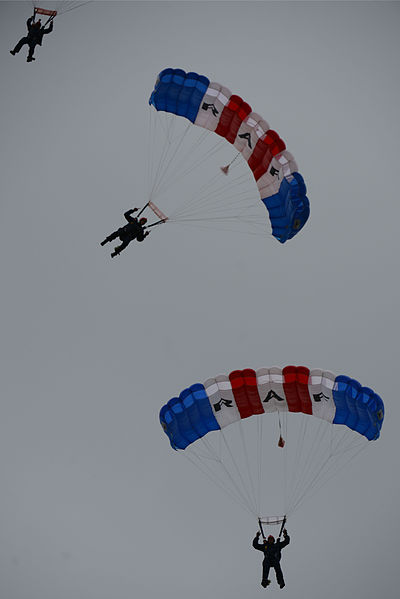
(265, 582)
(31, 51)
(18, 47)
(110, 238)
(119, 248)
(279, 575)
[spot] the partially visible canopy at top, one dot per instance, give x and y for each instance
(60, 7)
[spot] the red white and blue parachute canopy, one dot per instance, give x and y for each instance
(214, 107)
(226, 399)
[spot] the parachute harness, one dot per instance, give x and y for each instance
(272, 522)
(43, 11)
(63, 6)
(162, 217)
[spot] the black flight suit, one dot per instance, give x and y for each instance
(33, 39)
(272, 557)
(133, 230)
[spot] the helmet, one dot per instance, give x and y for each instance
(271, 538)
(143, 221)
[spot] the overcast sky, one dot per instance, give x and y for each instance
(94, 503)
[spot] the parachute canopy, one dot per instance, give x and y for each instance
(214, 107)
(270, 437)
(222, 400)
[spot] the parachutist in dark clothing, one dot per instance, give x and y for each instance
(34, 37)
(133, 230)
(272, 557)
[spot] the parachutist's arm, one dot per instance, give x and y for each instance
(256, 544)
(49, 29)
(286, 541)
(128, 216)
(141, 237)
(29, 22)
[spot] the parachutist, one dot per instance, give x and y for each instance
(133, 230)
(272, 557)
(34, 38)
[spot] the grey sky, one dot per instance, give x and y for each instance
(94, 503)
